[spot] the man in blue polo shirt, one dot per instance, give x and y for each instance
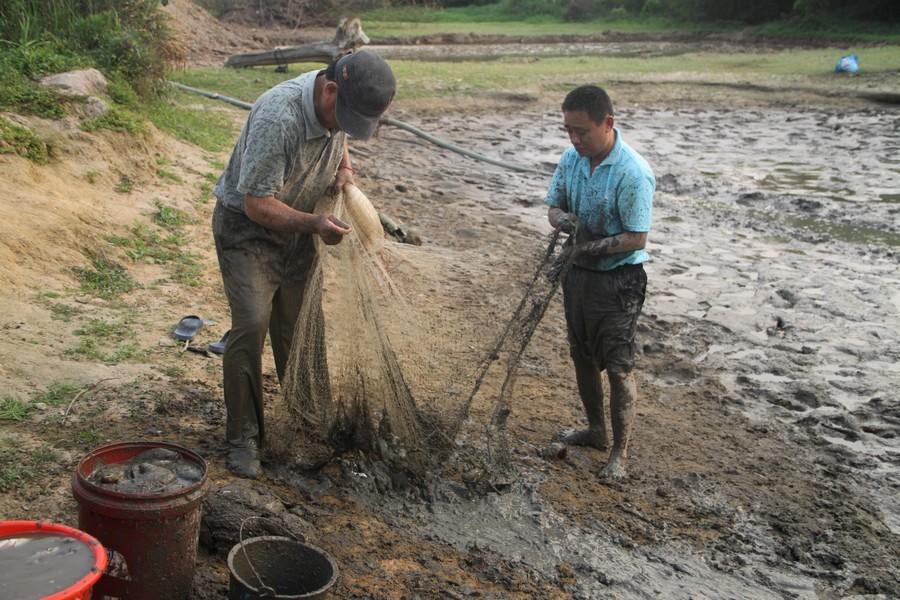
(602, 194)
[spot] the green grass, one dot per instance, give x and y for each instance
(166, 174)
(14, 409)
(117, 119)
(206, 187)
(20, 65)
(104, 341)
(98, 328)
(146, 243)
(19, 466)
(57, 394)
(92, 350)
(849, 30)
(208, 127)
(496, 19)
(169, 217)
(63, 312)
(88, 437)
(15, 139)
(91, 176)
(424, 79)
(104, 278)
(125, 185)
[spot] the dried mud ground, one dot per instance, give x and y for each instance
(766, 452)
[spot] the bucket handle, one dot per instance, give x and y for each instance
(264, 590)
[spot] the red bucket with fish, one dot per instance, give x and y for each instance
(142, 501)
(45, 561)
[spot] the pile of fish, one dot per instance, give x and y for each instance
(155, 471)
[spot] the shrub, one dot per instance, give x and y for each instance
(15, 139)
(124, 38)
(117, 119)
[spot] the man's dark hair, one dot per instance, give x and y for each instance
(591, 99)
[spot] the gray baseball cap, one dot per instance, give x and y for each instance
(366, 87)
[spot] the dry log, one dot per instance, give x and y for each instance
(348, 36)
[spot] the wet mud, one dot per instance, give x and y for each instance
(37, 565)
(156, 471)
(766, 448)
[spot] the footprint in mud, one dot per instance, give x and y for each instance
(678, 373)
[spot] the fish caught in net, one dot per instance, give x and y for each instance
(371, 370)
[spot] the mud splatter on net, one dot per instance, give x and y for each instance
(373, 371)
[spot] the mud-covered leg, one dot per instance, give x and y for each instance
(590, 388)
(623, 397)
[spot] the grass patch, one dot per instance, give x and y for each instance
(125, 185)
(104, 278)
(209, 128)
(91, 176)
(169, 217)
(496, 20)
(15, 139)
(102, 341)
(98, 328)
(206, 187)
(436, 79)
(19, 466)
(91, 349)
(513, 19)
(14, 409)
(117, 119)
(145, 243)
(63, 312)
(57, 394)
(20, 65)
(88, 437)
(168, 249)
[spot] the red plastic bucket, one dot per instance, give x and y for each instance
(152, 538)
(81, 589)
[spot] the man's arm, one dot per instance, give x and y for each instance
(274, 214)
(616, 244)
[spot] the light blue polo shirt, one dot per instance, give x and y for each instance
(616, 197)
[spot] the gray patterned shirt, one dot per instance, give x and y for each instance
(283, 150)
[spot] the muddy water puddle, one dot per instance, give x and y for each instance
(521, 530)
(36, 565)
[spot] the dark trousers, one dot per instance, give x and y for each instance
(264, 273)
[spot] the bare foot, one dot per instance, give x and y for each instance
(614, 469)
(585, 437)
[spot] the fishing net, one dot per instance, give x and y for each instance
(371, 369)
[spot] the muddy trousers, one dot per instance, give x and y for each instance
(265, 295)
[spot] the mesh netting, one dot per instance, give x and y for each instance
(371, 370)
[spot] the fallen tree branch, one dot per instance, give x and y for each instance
(348, 36)
(314, 52)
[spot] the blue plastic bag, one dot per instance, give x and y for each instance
(847, 64)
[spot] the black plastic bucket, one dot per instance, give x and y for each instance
(272, 566)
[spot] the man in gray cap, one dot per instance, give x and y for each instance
(291, 151)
